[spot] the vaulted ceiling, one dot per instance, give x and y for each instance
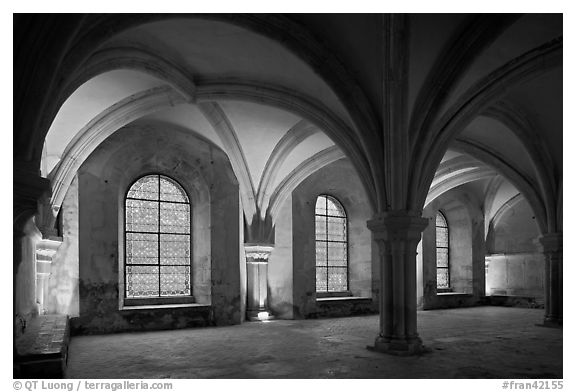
(252, 94)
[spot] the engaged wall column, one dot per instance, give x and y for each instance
(257, 275)
(551, 247)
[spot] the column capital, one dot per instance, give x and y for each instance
(258, 253)
(397, 226)
(550, 242)
(28, 189)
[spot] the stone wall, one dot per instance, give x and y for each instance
(513, 230)
(514, 265)
(503, 263)
(339, 180)
(205, 173)
(518, 274)
(466, 249)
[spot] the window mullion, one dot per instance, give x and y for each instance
(327, 245)
(159, 244)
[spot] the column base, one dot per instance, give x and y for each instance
(551, 323)
(259, 315)
(400, 347)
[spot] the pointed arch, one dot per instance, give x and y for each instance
(477, 33)
(307, 108)
(508, 205)
(519, 123)
(299, 174)
(102, 126)
(225, 131)
(493, 159)
(291, 139)
(137, 58)
(479, 96)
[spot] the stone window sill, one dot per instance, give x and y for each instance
(339, 299)
(153, 301)
(164, 306)
(333, 294)
(454, 293)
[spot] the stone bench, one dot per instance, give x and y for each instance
(42, 350)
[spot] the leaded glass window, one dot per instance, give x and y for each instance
(157, 242)
(331, 245)
(442, 252)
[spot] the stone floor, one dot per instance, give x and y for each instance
(481, 342)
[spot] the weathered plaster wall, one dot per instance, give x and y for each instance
(205, 173)
(466, 236)
(280, 278)
(514, 265)
(340, 180)
(515, 274)
(62, 296)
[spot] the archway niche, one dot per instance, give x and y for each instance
(92, 269)
(466, 252)
(292, 265)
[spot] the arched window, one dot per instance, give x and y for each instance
(157, 240)
(331, 245)
(442, 252)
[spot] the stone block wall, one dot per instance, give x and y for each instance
(466, 248)
(95, 294)
(339, 180)
(514, 267)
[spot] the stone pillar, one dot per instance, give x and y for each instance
(257, 275)
(397, 234)
(551, 247)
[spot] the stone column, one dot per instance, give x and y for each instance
(551, 247)
(397, 234)
(257, 285)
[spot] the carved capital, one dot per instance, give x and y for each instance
(45, 251)
(397, 226)
(257, 253)
(29, 188)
